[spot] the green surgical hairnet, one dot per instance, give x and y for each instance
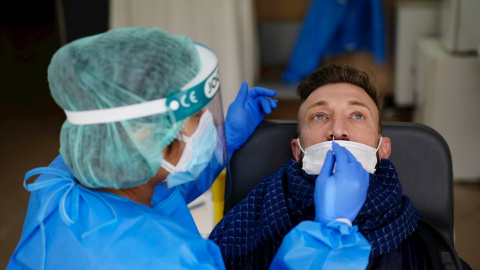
(117, 68)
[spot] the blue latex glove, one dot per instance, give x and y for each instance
(340, 194)
(245, 113)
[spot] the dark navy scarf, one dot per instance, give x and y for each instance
(251, 233)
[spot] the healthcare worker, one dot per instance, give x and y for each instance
(144, 136)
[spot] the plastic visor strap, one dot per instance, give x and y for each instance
(174, 104)
(110, 115)
(192, 97)
(70, 184)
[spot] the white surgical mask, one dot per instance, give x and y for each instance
(314, 156)
(196, 155)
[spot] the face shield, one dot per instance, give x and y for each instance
(204, 153)
(198, 105)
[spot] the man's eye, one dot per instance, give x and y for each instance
(319, 117)
(358, 116)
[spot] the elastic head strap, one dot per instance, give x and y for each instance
(168, 166)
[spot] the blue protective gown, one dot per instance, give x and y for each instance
(72, 227)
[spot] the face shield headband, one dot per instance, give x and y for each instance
(193, 96)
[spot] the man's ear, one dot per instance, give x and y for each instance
(385, 148)
(295, 149)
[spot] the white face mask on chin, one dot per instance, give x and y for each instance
(314, 156)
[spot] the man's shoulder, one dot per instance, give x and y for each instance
(411, 252)
(425, 248)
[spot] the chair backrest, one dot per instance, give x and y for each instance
(420, 155)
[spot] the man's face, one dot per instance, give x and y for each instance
(339, 111)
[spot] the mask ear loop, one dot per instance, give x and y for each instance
(165, 164)
(299, 145)
(180, 136)
(168, 166)
(379, 143)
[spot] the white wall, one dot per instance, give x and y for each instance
(226, 26)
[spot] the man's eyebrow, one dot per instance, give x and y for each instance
(358, 103)
(318, 104)
(352, 103)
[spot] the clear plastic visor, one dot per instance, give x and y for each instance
(219, 156)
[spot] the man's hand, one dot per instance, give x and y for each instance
(340, 194)
(245, 113)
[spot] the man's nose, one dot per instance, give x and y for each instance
(339, 130)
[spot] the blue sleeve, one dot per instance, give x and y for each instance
(315, 245)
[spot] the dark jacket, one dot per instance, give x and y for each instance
(415, 253)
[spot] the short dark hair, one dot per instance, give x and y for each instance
(339, 73)
(336, 73)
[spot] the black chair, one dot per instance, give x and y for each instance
(421, 156)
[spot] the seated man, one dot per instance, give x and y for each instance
(339, 103)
